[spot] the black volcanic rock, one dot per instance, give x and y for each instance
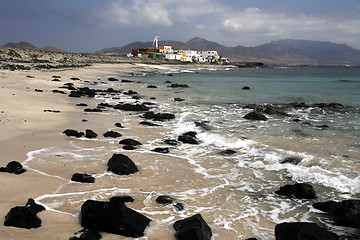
(255, 115)
(130, 142)
(146, 123)
(159, 116)
(13, 167)
(112, 134)
(132, 107)
(302, 231)
(298, 190)
(193, 227)
(73, 133)
(90, 134)
(121, 164)
(161, 150)
(113, 217)
(24, 217)
(82, 177)
(344, 213)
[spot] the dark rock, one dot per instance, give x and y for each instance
(121, 164)
(151, 86)
(81, 105)
(149, 124)
(111, 79)
(75, 94)
(322, 127)
(298, 190)
(126, 81)
(90, 134)
(187, 139)
(246, 88)
(227, 152)
(164, 199)
(292, 160)
(256, 107)
(56, 80)
(13, 167)
(302, 231)
(58, 91)
(161, 150)
(129, 147)
(191, 134)
(38, 90)
(159, 116)
(192, 228)
(24, 217)
(251, 239)
(86, 234)
(56, 76)
(84, 120)
(177, 99)
(112, 134)
(153, 98)
(176, 85)
(171, 142)
(118, 125)
(73, 133)
(82, 177)
(92, 110)
(130, 142)
(204, 125)
(255, 116)
(274, 111)
(344, 213)
(178, 206)
(132, 107)
(74, 78)
(113, 217)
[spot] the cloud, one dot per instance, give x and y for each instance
(213, 20)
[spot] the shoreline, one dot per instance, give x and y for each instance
(30, 121)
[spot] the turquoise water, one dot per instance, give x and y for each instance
(269, 85)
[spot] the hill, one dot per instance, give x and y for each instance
(26, 45)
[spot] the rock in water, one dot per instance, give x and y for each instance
(113, 217)
(112, 134)
(86, 234)
(298, 190)
(90, 134)
(82, 177)
(193, 227)
(344, 213)
(302, 231)
(13, 167)
(130, 142)
(73, 133)
(24, 217)
(255, 116)
(121, 164)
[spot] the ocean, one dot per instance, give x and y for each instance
(235, 193)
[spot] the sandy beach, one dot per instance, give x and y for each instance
(33, 117)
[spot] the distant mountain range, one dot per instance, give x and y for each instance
(27, 45)
(287, 51)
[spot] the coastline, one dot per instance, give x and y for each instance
(30, 120)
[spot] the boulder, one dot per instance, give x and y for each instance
(13, 167)
(112, 79)
(82, 177)
(129, 147)
(151, 86)
(166, 200)
(256, 116)
(118, 125)
(159, 116)
(130, 142)
(86, 234)
(24, 217)
(90, 134)
(302, 231)
(227, 152)
(187, 139)
(73, 133)
(292, 160)
(161, 150)
(112, 134)
(344, 213)
(177, 99)
(193, 227)
(146, 123)
(132, 107)
(246, 88)
(113, 217)
(121, 164)
(298, 190)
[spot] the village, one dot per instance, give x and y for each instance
(166, 52)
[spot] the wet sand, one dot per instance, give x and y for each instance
(26, 127)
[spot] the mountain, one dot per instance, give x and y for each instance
(26, 45)
(311, 51)
(286, 51)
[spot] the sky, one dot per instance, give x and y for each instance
(90, 25)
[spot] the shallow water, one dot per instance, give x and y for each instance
(234, 193)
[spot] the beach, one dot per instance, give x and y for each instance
(33, 117)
